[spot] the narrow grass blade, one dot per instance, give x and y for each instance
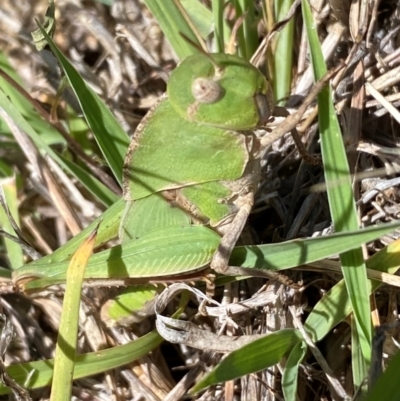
(111, 138)
(14, 251)
(291, 371)
(247, 35)
(200, 15)
(286, 255)
(256, 356)
(218, 13)
(282, 57)
(359, 368)
(340, 197)
(64, 361)
(92, 184)
(174, 25)
(48, 133)
(38, 374)
(335, 305)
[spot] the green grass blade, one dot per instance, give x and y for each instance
(341, 201)
(48, 133)
(5, 273)
(39, 374)
(174, 25)
(256, 356)
(93, 185)
(218, 13)
(247, 35)
(65, 355)
(286, 255)
(44, 134)
(359, 368)
(111, 138)
(283, 55)
(89, 181)
(200, 15)
(291, 372)
(335, 305)
(14, 251)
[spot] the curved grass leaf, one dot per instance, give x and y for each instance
(256, 356)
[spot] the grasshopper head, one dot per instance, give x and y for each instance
(228, 93)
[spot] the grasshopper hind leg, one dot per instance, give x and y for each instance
(220, 260)
(243, 191)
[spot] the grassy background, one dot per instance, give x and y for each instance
(120, 51)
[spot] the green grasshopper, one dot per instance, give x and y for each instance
(193, 149)
(191, 172)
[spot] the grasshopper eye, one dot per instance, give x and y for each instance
(206, 90)
(264, 107)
